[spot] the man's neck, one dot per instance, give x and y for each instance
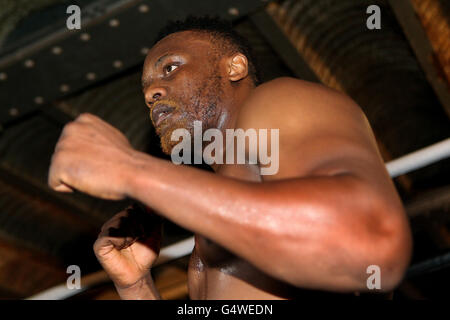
(229, 116)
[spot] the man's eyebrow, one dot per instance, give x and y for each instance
(157, 63)
(161, 59)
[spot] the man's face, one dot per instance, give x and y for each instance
(182, 82)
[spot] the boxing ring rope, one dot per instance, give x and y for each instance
(419, 158)
(410, 162)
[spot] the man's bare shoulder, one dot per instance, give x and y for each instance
(316, 124)
(288, 101)
(289, 83)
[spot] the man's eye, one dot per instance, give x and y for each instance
(170, 68)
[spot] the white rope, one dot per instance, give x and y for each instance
(175, 251)
(419, 158)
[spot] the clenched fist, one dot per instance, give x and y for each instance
(128, 245)
(93, 157)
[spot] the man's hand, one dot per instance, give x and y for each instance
(93, 157)
(128, 245)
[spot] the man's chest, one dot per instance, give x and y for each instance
(210, 252)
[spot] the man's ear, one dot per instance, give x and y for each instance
(237, 67)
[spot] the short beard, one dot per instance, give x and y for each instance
(206, 112)
(167, 143)
(207, 122)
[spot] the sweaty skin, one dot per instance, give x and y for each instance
(317, 224)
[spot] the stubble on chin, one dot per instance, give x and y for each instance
(167, 143)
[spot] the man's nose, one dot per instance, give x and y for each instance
(154, 94)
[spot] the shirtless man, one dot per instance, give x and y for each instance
(329, 212)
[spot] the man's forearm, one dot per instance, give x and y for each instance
(307, 227)
(142, 290)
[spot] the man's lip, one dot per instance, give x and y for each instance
(160, 112)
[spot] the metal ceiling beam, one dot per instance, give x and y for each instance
(282, 46)
(420, 44)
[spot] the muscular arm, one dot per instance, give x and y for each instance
(329, 213)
